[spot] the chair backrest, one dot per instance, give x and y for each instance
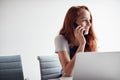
(11, 68)
(50, 67)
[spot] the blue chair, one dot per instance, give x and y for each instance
(11, 68)
(50, 67)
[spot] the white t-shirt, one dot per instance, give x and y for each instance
(61, 44)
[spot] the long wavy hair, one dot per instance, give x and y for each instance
(68, 30)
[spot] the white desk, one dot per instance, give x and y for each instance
(62, 78)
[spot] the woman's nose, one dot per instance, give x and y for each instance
(88, 23)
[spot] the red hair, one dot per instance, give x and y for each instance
(68, 31)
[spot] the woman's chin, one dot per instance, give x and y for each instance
(86, 33)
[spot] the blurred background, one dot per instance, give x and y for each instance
(28, 28)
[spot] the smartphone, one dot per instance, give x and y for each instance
(75, 25)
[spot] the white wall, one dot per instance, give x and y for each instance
(28, 27)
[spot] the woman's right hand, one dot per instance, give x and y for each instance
(78, 32)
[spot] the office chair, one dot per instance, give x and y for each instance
(11, 68)
(49, 67)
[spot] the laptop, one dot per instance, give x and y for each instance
(97, 66)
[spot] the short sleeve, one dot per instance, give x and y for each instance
(61, 44)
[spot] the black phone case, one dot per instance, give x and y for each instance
(75, 25)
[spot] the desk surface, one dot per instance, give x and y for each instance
(62, 78)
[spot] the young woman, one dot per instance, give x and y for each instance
(77, 35)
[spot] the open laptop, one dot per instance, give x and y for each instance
(97, 66)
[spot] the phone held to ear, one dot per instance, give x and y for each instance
(75, 25)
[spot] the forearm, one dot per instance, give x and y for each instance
(69, 67)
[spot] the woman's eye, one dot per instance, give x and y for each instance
(83, 20)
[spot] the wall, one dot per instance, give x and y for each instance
(28, 27)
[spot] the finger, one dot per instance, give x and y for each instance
(81, 31)
(81, 28)
(78, 29)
